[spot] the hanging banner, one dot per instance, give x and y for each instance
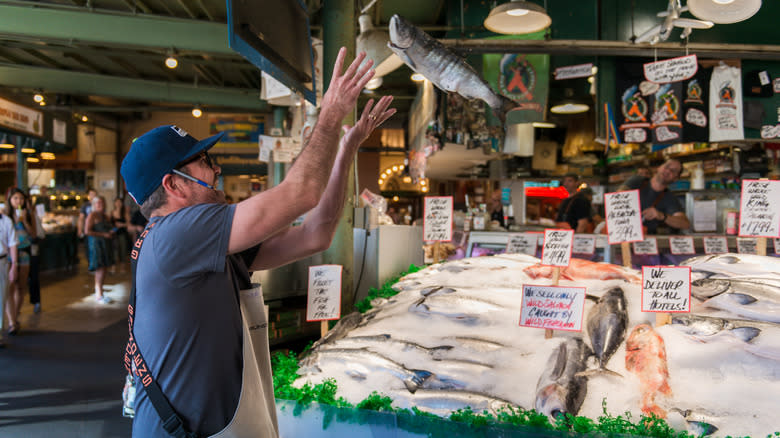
(671, 70)
(522, 78)
(667, 114)
(633, 114)
(726, 110)
(241, 131)
(21, 118)
(696, 93)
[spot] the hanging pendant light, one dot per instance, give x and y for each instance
(517, 17)
(374, 43)
(724, 11)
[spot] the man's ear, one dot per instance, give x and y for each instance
(173, 187)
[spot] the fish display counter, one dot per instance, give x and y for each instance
(450, 339)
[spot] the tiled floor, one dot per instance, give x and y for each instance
(62, 375)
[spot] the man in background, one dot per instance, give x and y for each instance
(661, 210)
(574, 211)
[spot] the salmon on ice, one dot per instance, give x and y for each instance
(446, 70)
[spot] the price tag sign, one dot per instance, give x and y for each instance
(759, 208)
(552, 307)
(747, 245)
(671, 70)
(681, 245)
(649, 246)
(324, 295)
(715, 245)
(624, 221)
(522, 243)
(437, 219)
(584, 245)
(479, 222)
(556, 249)
(573, 71)
(666, 289)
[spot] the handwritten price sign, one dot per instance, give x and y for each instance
(584, 245)
(522, 243)
(759, 209)
(552, 307)
(649, 246)
(681, 245)
(324, 297)
(557, 247)
(671, 70)
(666, 289)
(747, 245)
(437, 219)
(624, 223)
(715, 245)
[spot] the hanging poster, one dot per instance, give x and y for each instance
(671, 70)
(695, 119)
(726, 108)
(634, 111)
(667, 114)
(521, 77)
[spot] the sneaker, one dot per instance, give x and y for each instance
(37, 308)
(105, 300)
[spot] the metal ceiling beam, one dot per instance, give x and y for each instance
(115, 29)
(614, 48)
(59, 81)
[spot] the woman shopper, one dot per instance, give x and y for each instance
(99, 232)
(17, 209)
(120, 217)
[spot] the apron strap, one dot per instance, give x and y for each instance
(135, 363)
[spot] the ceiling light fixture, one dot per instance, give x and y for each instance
(28, 150)
(569, 108)
(374, 43)
(47, 156)
(517, 17)
(32, 160)
(84, 118)
(4, 144)
(418, 77)
(197, 112)
(724, 11)
(543, 125)
(38, 97)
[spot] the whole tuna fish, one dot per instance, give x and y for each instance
(735, 265)
(562, 387)
(646, 357)
(448, 71)
(765, 288)
(606, 327)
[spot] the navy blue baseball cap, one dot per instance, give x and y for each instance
(157, 153)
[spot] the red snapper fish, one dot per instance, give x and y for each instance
(580, 269)
(646, 357)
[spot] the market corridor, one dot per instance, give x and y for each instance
(62, 375)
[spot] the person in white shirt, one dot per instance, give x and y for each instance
(8, 268)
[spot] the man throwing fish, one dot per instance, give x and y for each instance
(198, 331)
(661, 211)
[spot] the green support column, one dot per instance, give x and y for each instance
(339, 29)
(279, 170)
(21, 165)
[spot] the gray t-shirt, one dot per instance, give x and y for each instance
(187, 319)
(668, 204)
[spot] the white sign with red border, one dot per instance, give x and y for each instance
(759, 213)
(624, 221)
(522, 243)
(671, 70)
(437, 219)
(747, 245)
(556, 249)
(680, 245)
(715, 244)
(324, 294)
(584, 245)
(666, 289)
(552, 307)
(649, 246)
(574, 71)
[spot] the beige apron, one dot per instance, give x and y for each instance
(255, 415)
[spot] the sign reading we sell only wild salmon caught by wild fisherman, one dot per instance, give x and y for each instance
(437, 219)
(759, 208)
(557, 246)
(552, 307)
(666, 289)
(324, 296)
(624, 223)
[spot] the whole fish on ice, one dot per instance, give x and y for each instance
(444, 402)
(448, 71)
(646, 357)
(562, 387)
(758, 338)
(580, 269)
(705, 288)
(746, 305)
(735, 265)
(606, 326)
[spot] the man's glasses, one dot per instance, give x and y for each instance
(201, 156)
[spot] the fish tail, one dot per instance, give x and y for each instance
(702, 428)
(416, 380)
(598, 371)
(745, 334)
